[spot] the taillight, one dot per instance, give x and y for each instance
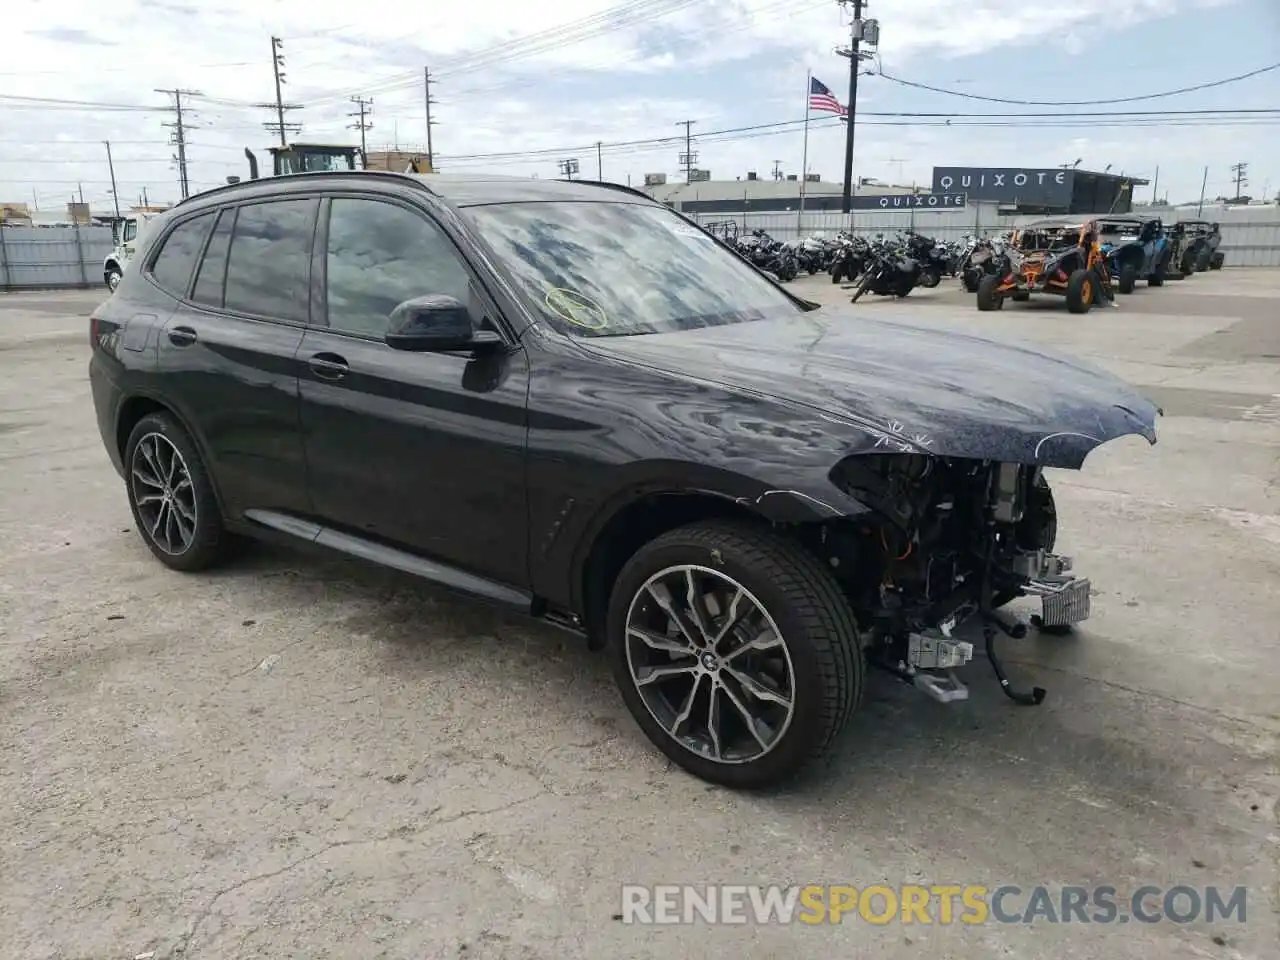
(93, 329)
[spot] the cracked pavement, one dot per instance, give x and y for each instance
(302, 756)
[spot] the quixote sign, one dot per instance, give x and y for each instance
(906, 201)
(1026, 185)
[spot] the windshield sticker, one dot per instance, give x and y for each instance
(683, 230)
(576, 308)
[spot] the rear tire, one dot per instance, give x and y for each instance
(988, 297)
(1083, 289)
(796, 643)
(1127, 279)
(172, 497)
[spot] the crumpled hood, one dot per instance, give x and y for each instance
(908, 388)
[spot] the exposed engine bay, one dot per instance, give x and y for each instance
(948, 540)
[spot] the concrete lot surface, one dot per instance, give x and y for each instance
(299, 756)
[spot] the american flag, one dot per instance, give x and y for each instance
(821, 98)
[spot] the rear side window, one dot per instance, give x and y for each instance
(213, 270)
(268, 266)
(176, 260)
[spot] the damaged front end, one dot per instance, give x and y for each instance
(945, 541)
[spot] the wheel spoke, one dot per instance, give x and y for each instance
(687, 708)
(150, 498)
(160, 515)
(662, 596)
(175, 464)
(148, 454)
(697, 606)
(767, 639)
(713, 721)
(731, 618)
(655, 641)
(757, 689)
(747, 718)
(648, 675)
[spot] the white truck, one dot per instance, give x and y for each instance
(127, 231)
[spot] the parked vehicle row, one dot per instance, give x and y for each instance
(1089, 261)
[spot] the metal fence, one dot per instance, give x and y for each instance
(61, 256)
(1250, 235)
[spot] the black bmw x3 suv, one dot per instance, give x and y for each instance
(569, 399)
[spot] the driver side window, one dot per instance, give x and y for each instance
(380, 254)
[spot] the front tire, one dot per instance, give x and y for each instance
(113, 278)
(735, 650)
(171, 495)
(1082, 290)
(989, 298)
(1128, 278)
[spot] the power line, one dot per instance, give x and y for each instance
(1083, 103)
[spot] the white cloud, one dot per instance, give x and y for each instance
(617, 85)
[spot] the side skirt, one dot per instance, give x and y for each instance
(271, 524)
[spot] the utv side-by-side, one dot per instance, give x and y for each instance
(1137, 248)
(1060, 256)
(1201, 247)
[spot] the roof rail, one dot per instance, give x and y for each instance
(634, 191)
(293, 177)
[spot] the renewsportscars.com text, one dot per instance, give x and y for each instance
(941, 904)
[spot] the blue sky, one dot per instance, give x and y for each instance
(632, 74)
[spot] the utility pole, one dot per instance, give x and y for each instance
(277, 64)
(1238, 174)
(426, 86)
(112, 167)
(362, 124)
(860, 30)
(568, 167)
(279, 107)
(179, 137)
(777, 170)
(599, 161)
(688, 158)
(1204, 181)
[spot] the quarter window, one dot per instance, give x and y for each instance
(378, 256)
(267, 267)
(177, 258)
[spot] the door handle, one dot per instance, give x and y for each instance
(328, 366)
(182, 336)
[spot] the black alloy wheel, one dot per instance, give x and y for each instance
(171, 496)
(735, 651)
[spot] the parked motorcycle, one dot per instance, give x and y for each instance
(769, 254)
(933, 258)
(848, 258)
(890, 271)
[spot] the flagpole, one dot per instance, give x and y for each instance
(804, 162)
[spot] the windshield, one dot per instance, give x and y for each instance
(1048, 238)
(1124, 228)
(612, 269)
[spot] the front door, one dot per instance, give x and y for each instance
(422, 450)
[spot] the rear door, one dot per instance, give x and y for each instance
(228, 354)
(425, 450)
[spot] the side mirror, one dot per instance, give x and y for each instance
(436, 324)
